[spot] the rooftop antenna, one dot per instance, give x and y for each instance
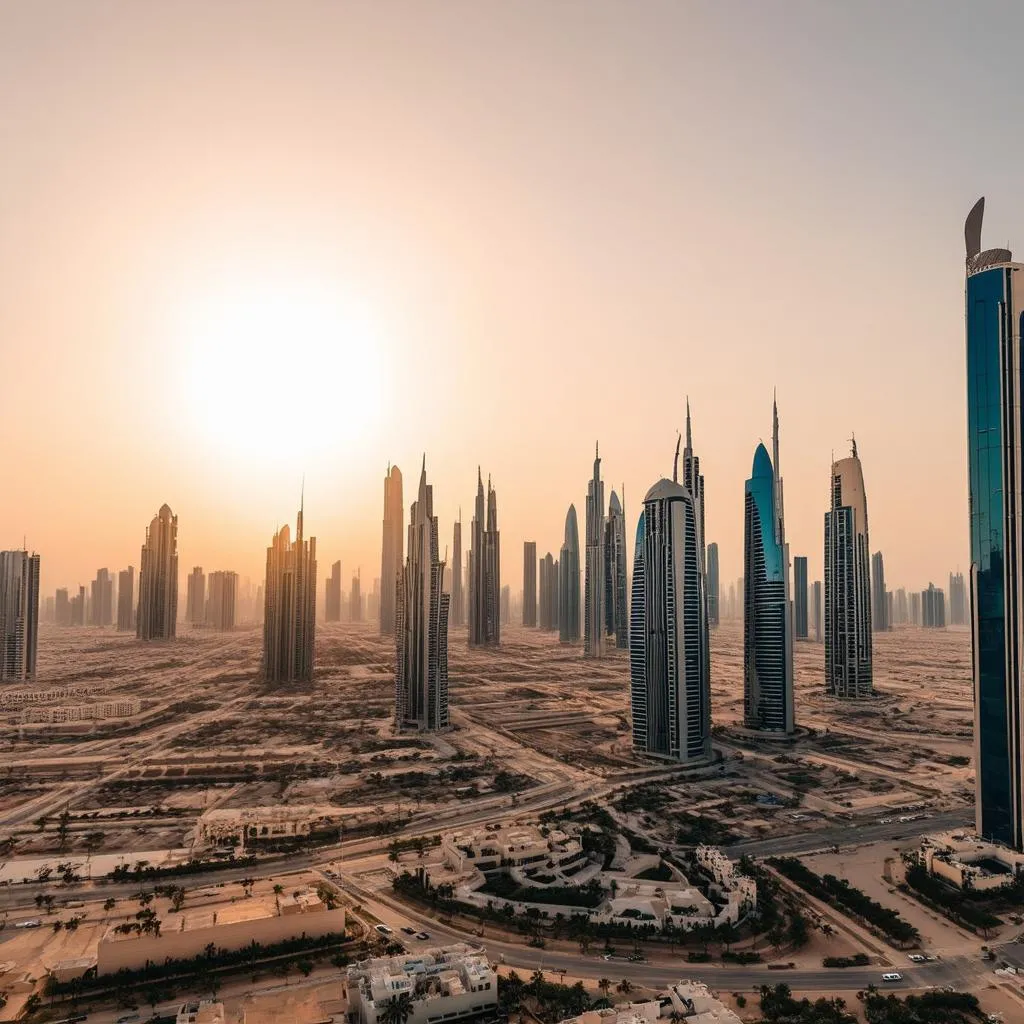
(853, 443)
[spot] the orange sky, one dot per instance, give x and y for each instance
(490, 232)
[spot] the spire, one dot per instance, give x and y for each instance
(853, 443)
(675, 461)
(689, 435)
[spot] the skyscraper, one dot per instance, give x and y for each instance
(458, 612)
(914, 602)
(125, 599)
(615, 577)
(848, 662)
(391, 549)
(549, 592)
(879, 601)
(101, 612)
(714, 615)
(355, 601)
(78, 608)
(994, 307)
(670, 681)
(332, 601)
(157, 617)
(933, 608)
(800, 597)
(957, 600)
(767, 623)
(62, 608)
(195, 597)
(19, 615)
(819, 619)
(901, 614)
(289, 606)
(421, 623)
(506, 605)
(530, 583)
(569, 581)
(485, 579)
(220, 605)
(593, 585)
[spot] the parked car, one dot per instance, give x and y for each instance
(383, 929)
(892, 976)
(423, 935)
(409, 931)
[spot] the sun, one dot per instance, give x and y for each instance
(278, 370)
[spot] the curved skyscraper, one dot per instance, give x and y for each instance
(994, 316)
(391, 547)
(615, 584)
(594, 576)
(421, 623)
(767, 624)
(848, 664)
(569, 581)
(670, 676)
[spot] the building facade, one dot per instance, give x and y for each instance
(125, 600)
(593, 571)
(933, 608)
(616, 582)
(848, 649)
(391, 548)
(485, 575)
(157, 615)
(767, 626)
(289, 606)
(101, 607)
(19, 615)
(880, 621)
(714, 595)
(332, 594)
(530, 583)
(957, 600)
(223, 596)
(548, 593)
(458, 613)
(800, 621)
(355, 599)
(421, 623)
(569, 581)
(195, 597)
(819, 617)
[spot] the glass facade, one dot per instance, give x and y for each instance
(993, 411)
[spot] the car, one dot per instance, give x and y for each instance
(383, 929)
(916, 958)
(423, 935)
(31, 923)
(409, 931)
(892, 976)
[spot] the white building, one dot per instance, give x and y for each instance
(519, 846)
(448, 983)
(970, 862)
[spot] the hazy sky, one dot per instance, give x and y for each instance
(241, 242)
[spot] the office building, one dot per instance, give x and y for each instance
(19, 615)
(569, 582)
(548, 594)
(355, 600)
(914, 600)
(880, 621)
(819, 618)
(195, 597)
(529, 583)
(933, 608)
(289, 606)
(78, 610)
(220, 604)
(125, 599)
(157, 616)
(458, 604)
(506, 605)
(616, 583)
(669, 660)
(332, 595)
(848, 661)
(957, 600)
(391, 551)
(767, 623)
(901, 610)
(714, 614)
(421, 623)
(800, 623)
(485, 574)
(101, 605)
(62, 608)
(593, 574)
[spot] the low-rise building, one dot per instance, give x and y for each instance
(690, 1002)
(970, 862)
(518, 846)
(450, 983)
(252, 825)
(205, 1011)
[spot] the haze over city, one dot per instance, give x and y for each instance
(240, 248)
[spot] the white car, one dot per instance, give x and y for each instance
(892, 976)
(916, 958)
(383, 929)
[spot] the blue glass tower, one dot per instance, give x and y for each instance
(767, 626)
(994, 312)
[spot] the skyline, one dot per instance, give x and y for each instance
(411, 269)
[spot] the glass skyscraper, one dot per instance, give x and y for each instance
(994, 312)
(800, 597)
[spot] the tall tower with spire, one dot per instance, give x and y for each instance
(593, 586)
(615, 582)
(568, 567)
(485, 570)
(421, 623)
(391, 547)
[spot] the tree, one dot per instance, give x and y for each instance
(727, 934)
(109, 903)
(278, 889)
(625, 986)
(62, 827)
(397, 1010)
(306, 967)
(605, 985)
(797, 931)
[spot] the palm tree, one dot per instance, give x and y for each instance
(397, 1010)
(625, 986)
(605, 985)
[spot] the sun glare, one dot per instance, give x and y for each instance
(279, 370)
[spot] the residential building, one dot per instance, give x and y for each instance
(616, 583)
(220, 604)
(289, 606)
(19, 615)
(901, 610)
(848, 661)
(549, 570)
(714, 615)
(914, 604)
(485, 577)
(880, 621)
(421, 623)
(819, 618)
(157, 616)
(933, 608)
(125, 599)
(195, 597)
(458, 602)
(355, 600)
(767, 622)
(529, 583)
(569, 581)
(101, 608)
(332, 596)
(800, 621)
(391, 550)
(62, 608)
(670, 680)
(593, 573)
(957, 599)
(78, 603)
